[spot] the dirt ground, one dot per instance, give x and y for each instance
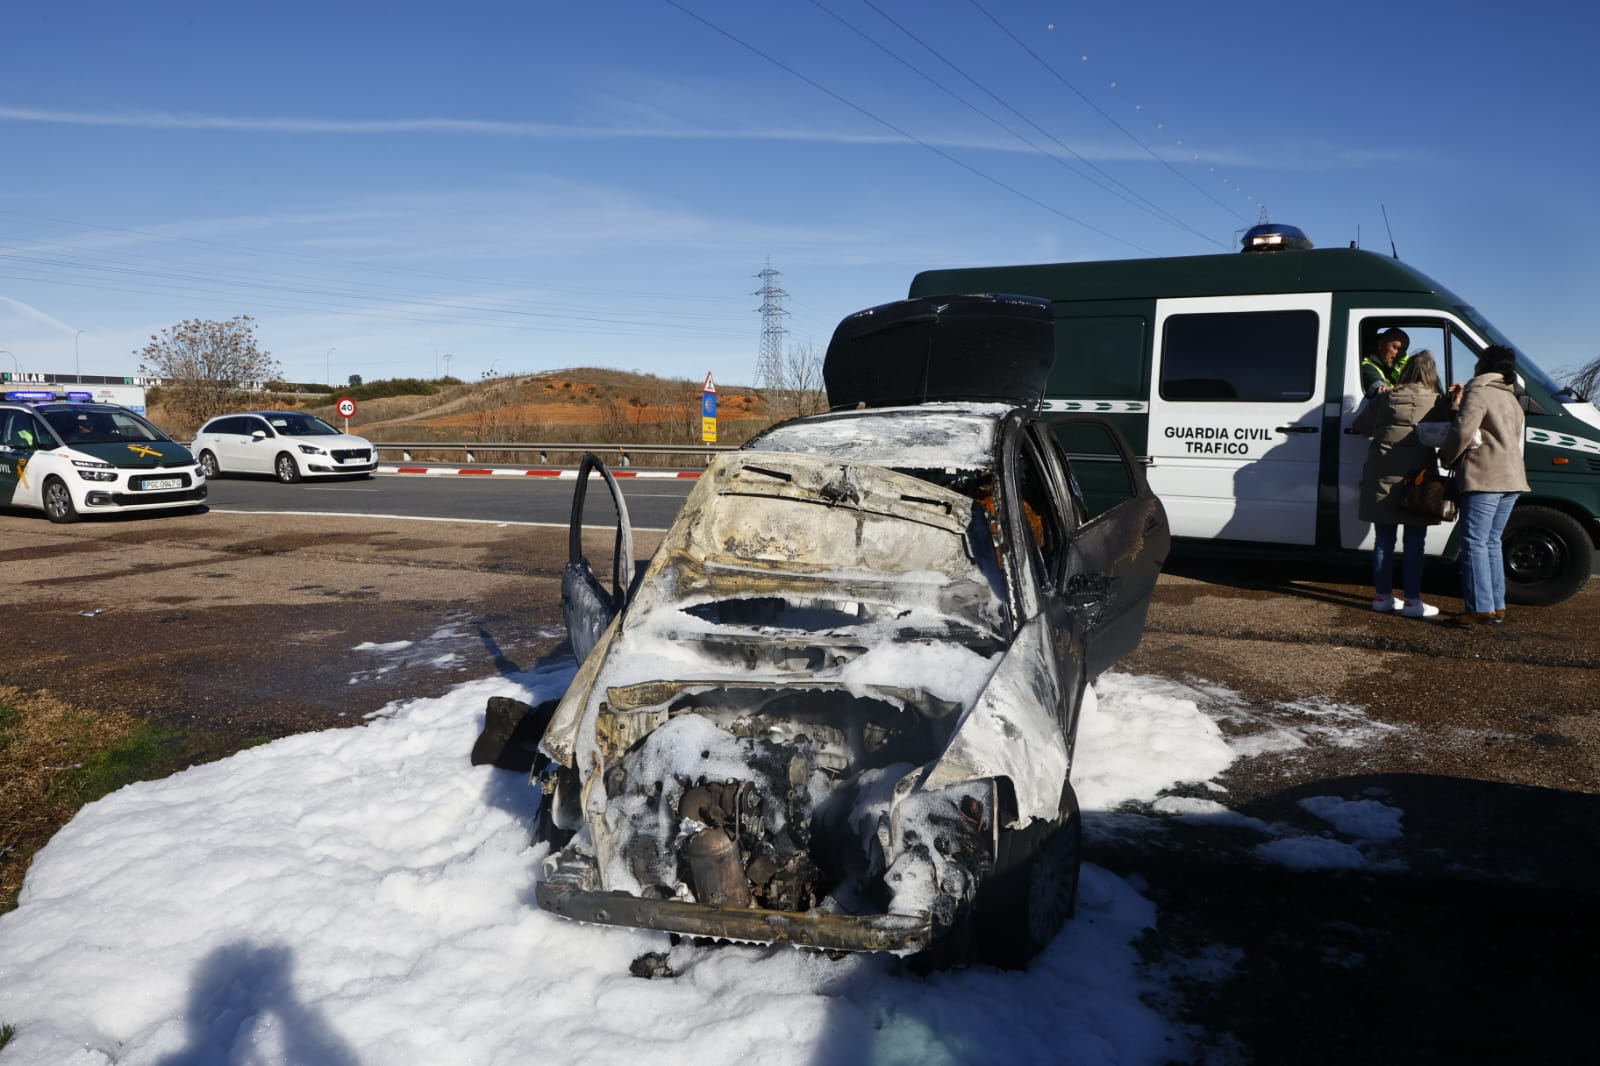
(1471, 939)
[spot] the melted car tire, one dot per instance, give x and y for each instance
(545, 829)
(58, 502)
(1033, 890)
(1548, 555)
(286, 469)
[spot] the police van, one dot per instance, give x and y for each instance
(67, 456)
(1236, 377)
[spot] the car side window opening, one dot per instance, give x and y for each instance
(1041, 518)
(1232, 356)
(1098, 472)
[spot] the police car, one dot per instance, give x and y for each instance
(69, 458)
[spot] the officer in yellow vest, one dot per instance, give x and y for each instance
(1380, 371)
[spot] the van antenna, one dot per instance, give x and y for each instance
(1392, 250)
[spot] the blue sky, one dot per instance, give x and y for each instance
(499, 188)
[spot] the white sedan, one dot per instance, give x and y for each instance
(290, 445)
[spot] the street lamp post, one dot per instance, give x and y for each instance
(447, 358)
(329, 369)
(4, 351)
(77, 364)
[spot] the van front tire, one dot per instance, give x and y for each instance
(1548, 555)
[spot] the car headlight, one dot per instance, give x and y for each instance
(93, 471)
(307, 449)
(199, 473)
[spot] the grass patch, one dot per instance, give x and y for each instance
(54, 758)
(6, 1033)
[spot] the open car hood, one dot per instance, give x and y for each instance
(942, 348)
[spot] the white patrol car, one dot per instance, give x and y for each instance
(69, 458)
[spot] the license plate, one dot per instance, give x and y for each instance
(156, 484)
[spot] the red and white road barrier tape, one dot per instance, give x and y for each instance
(486, 471)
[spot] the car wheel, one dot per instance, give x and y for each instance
(1548, 555)
(286, 468)
(208, 463)
(58, 502)
(1033, 890)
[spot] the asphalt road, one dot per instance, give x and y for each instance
(1474, 942)
(652, 502)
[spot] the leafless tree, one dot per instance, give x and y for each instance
(1586, 381)
(207, 368)
(797, 388)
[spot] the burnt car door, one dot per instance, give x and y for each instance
(1039, 526)
(587, 604)
(1120, 540)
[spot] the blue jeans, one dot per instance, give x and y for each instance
(1410, 566)
(1483, 571)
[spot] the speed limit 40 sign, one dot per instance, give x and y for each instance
(346, 407)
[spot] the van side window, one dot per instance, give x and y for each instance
(1253, 356)
(1105, 354)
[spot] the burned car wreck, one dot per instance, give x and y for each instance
(837, 707)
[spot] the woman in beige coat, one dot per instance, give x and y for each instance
(1492, 476)
(1390, 419)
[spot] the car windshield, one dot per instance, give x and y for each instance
(92, 426)
(300, 426)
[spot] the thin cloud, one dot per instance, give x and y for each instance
(33, 312)
(160, 120)
(1325, 157)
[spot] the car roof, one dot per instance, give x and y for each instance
(64, 405)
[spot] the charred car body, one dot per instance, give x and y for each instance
(837, 707)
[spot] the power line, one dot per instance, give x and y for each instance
(903, 133)
(1063, 80)
(1128, 195)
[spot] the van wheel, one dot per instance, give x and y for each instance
(58, 502)
(286, 468)
(1548, 555)
(1033, 890)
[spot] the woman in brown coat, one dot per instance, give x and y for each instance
(1391, 419)
(1492, 477)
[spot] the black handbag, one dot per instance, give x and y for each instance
(1427, 494)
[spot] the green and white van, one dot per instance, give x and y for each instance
(1236, 378)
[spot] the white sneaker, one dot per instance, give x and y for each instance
(1385, 604)
(1418, 609)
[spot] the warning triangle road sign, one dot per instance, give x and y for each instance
(709, 386)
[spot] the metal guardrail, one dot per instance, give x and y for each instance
(542, 453)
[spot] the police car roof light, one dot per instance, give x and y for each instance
(1274, 237)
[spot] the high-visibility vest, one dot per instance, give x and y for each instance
(1391, 374)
